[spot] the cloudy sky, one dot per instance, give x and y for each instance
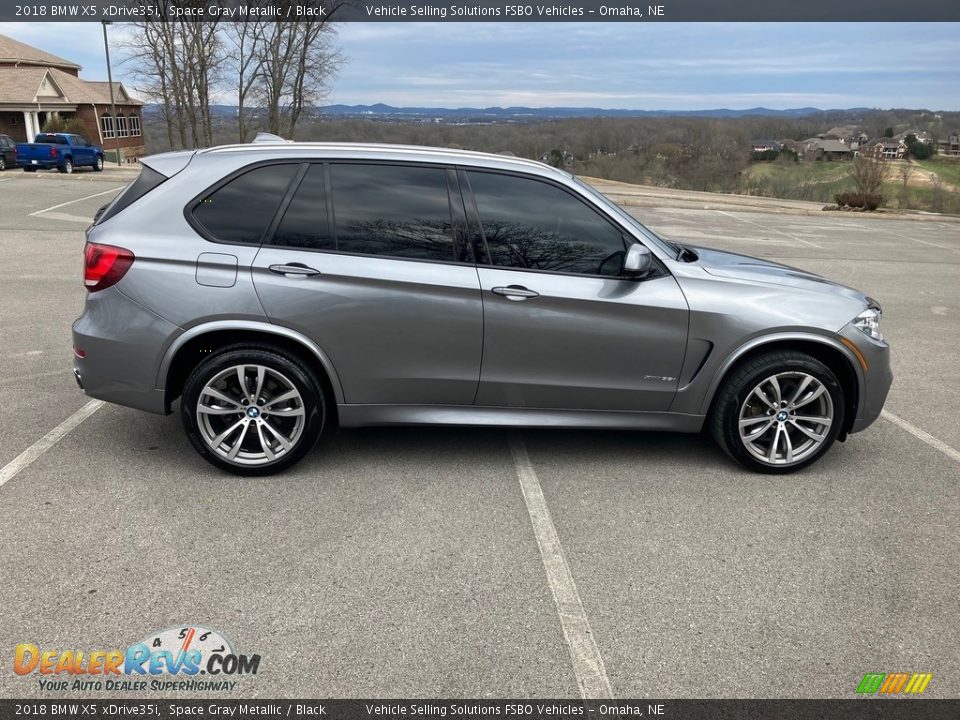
(615, 65)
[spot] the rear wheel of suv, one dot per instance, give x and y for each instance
(252, 410)
(778, 412)
(3, 163)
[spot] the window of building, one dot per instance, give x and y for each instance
(106, 126)
(241, 210)
(122, 130)
(534, 225)
(134, 125)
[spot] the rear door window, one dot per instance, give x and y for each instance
(305, 224)
(392, 210)
(240, 210)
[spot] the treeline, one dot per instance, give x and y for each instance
(705, 154)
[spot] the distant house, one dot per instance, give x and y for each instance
(36, 86)
(792, 145)
(821, 149)
(759, 146)
(888, 149)
(950, 146)
(921, 135)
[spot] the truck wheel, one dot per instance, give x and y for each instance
(98, 164)
(67, 166)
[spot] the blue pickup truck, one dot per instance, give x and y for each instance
(62, 151)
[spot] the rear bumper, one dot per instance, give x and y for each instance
(121, 344)
(876, 379)
(39, 164)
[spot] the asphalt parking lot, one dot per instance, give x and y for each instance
(404, 562)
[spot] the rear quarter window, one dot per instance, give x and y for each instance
(145, 182)
(241, 209)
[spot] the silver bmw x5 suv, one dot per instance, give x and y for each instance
(282, 289)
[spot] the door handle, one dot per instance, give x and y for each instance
(515, 292)
(293, 270)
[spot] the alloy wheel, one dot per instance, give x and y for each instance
(250, 415)
(786, 418)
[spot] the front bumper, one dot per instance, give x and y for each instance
(875, 380)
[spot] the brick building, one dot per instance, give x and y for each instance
(36, 86)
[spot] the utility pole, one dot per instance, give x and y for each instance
(113, 106)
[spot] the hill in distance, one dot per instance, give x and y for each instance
(519, 114)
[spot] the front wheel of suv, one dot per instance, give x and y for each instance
(252, 411)
(778, 412)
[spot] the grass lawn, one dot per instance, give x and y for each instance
(948, 170)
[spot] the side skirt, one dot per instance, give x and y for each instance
(362, 415)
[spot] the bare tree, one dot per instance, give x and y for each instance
(244, 43)
(869, 175)
(905, 172)
(297, 60)
(176, 64)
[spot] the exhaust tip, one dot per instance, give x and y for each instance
(76, 376)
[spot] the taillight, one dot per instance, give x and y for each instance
(104, 265)
(53, 151)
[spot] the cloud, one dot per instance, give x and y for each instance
(631, 65)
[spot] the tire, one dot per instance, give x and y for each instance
(66, 167)
(3, 163)
(791, 412)
(252, 448)
(98, 163)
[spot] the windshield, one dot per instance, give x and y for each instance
(628, 219)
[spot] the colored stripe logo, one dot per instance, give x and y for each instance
(894, 683)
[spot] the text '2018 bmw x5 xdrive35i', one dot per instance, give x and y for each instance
(279, 289)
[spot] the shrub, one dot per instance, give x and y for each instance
(72, 125)
(870, 201)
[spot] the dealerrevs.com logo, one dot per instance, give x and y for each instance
(189, 658)
(894, 683)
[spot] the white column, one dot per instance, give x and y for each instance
(32, 121)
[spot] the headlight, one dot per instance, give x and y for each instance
(868, 322)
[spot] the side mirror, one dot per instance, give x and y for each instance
(637, 262)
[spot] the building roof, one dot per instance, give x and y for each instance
(833, 146)
(17, 52)
(51, 86)
(92, 91)
(20, 85)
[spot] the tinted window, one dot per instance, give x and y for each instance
(536, 226)
(304, 223)
(241, 210)
(51, 139)
(145, 182)
(392, 210)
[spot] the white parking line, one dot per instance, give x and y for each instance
(918, 240)
(24, 459)
(923, 435)
(588, 665)
(770, 229)
(71, 202)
